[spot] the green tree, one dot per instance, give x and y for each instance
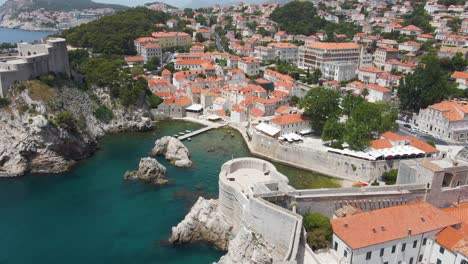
(4, 102)
(319, 230)
(104, 114)
(188, 12)
(427, 85)
(114, 34)
(390, 177)
(199, 37)
(357, 135)
(135, 71)
(350, 102)
(153, 64)
(334, 132)
(154, 101)
(419, 17)
(458, 62)
(321, 104)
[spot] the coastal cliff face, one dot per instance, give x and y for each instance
(11, 17)
(149, 170)
(34, 139)
(205, 223)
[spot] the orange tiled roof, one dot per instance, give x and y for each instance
(452, 110)
(460, 75)
(257, 112)
(454, 240)
(289, 119)
(134, 59)
(383, 225)
(370, 69)
(411, 27)
(381, 144)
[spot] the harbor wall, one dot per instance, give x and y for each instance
(332, 164)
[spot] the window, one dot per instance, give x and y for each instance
(369, 255)
(393, 249)
(464, 262)
(439, 261)
(411, 261)
(336, 246)
(420, 258)
(345, 253)
(403, 247)
(424, 241)
(382, 251)
(386, 262)
(441, 250)
(415, 243)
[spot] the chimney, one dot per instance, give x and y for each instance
(373, 230)
(409, 232)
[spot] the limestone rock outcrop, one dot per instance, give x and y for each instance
(173, 150)
(149, 170)
(247, 247)
(203, 223)
(32, 141)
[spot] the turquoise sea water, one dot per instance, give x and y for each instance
(90, 215)
(17, 35)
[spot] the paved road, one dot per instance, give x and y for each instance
(218, 43)
(405, 132)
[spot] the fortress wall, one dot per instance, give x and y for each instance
(331, 164)
(278, 226)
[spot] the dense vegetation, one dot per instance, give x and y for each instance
(109, 71)
(319, 230)
(419, 17)
(66, 120)
(390, 177)
(104, 114)
(115, 34)
(364, 121)
(4, 102)
(299, 17)
(429, 83)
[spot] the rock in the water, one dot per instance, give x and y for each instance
(149, 170)
(173, 150)
(203, 223)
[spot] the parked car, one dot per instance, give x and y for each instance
(407, 126)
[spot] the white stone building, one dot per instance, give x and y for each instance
(447, 119)
(290, 123)
(249, 66)
(394, 235)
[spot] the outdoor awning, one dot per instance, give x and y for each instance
(267, 129)
(195, 108)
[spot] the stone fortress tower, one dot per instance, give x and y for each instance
(34, 59)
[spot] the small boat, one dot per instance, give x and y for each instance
(176, 135)
(232, 134)
(189, 139)
(181, 133)
(187, 131)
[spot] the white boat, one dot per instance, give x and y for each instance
(187, 131)
(181, 133)
(175, 135)
(189, 139)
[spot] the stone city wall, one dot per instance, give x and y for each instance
(331, 164)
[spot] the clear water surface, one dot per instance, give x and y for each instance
(90, 215)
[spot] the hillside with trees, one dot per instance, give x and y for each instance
(299, 17)
(58, 5)
(115, 34)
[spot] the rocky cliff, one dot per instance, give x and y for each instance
(47, 130)
(205, 223)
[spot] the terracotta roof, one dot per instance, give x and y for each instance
(459, 211)
(392, 136)
(289, 119)
(134, 59)
(452, 110)
(152, 46)
(381, 144)
(333, 46)
(257, 112)
(454, 240)
(282, 110)
(384, 225)
(163, 34)
(411, 28)
(183, 101)
(422, 145)
(166, 72)
(460, 75)
(370, 69)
